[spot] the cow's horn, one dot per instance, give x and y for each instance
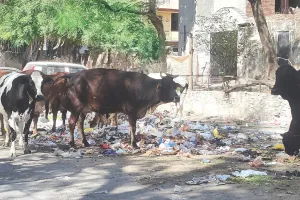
(161, 75)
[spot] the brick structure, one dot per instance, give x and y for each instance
(268, 8)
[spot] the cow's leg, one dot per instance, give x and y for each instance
(2, 125)
(7, 133)
(13, 135)
(114, 119)
(64, 117)
(132, 121)
(95, 121)
(46, 109)
(26, 132)
(55, 108)
(72, 123)
(35, 121)
(81, 129)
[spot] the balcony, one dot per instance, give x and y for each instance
(168, 5)
(171, 36)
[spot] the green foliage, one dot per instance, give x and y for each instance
(110, 24)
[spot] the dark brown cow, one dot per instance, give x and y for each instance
(287, 85)
(111, 91)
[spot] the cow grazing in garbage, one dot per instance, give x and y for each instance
(287, 85)
(19, 93)
(111, 91)
(182, 84)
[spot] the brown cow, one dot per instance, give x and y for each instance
(40, 106)
(111, 91)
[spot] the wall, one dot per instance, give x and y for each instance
(268, 8)
(239, 105)
(187, 14)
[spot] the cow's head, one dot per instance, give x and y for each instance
(287, 83)
(27, 86)
(167, 89)
(291, 143)
(40, 80)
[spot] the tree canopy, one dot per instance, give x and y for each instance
(110, 24)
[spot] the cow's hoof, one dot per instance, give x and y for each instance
(86, 144)
(27, 151)
(72, 144)
(134, 145)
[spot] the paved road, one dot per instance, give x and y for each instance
(45, 176)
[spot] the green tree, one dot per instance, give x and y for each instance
(117, 25)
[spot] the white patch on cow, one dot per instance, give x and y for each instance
(18, 120)
(8, 82)
(37, 79)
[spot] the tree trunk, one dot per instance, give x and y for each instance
(157, 23)
(31, 52)
(265, 37)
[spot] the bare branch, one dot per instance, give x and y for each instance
(250, 83)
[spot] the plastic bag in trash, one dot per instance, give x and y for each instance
(241, 150)
(223, 177)
(278, 147)
(257, 162)
(249, 172)
(216, 134)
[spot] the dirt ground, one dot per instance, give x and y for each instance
(42, 175)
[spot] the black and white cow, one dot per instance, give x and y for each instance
(18, 95)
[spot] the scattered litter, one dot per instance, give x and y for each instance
(157, 134)
(101, 192)
(223, 177)
(241, 150)
(248, 172)
(278, 147)
(282, 156)
(257, 162)
(205, 160)
(218, 179)
(243, 158)
(180, 189)
(295, 173)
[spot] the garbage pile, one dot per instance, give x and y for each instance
(160, 134)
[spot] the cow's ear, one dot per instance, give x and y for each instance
(48, 80)
(158, 88)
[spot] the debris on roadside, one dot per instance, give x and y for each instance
(159, 134)
(217, 179)
(248, 172)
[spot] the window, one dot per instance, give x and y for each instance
(174, 22)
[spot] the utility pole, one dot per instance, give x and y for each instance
(191, 53)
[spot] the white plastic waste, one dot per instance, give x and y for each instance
(249, 172)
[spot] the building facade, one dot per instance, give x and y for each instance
(226, 40)
(168, 10)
